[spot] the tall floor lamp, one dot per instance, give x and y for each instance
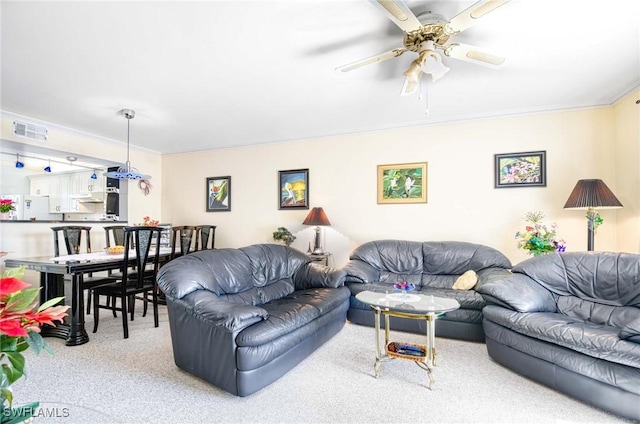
(317, 217)
(589, 195)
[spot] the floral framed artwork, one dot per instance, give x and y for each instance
(293, 189)
(526, 169)
(402, 183)
(219, 194)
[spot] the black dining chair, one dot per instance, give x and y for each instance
(205, 237)
(147, 257)
(71, 235)
(182, 240)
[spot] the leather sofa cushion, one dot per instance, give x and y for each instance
(615, 316)
(411, 258)
(603, 277)
(595, 340)
(290, 313)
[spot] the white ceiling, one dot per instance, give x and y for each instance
(212, 74)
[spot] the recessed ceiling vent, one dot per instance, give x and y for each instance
(24, 129)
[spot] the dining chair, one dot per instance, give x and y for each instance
(182, 237)
(72, 237)
(147, 257)
(205, 237)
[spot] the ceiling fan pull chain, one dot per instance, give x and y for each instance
(424, 93)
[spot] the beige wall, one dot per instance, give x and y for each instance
(627, 127)
(462, 201)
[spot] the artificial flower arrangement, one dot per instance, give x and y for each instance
(20, 321)
(6, 205)
(404, 286)
(538, 238)
(148, 222)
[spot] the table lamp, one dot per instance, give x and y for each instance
(317, 217)
(589, 195)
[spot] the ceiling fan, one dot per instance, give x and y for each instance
(427, 33)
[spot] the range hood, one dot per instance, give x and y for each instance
(91, 197)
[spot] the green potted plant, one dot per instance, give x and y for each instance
(20, 321)
(284, 235)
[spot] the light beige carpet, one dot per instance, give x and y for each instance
(113, 380)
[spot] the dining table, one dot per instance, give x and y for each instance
(62, 276)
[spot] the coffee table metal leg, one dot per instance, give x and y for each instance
(376, 366)
(431, 349)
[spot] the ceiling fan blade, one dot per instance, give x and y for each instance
(473, 54)
(399, 14)
(468, 17)
(373, 59)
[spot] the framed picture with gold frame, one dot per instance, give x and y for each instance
(402, 183)
(293, 189)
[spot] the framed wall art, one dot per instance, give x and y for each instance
(526, 169)
(219, 194)
(402, 183)
(293, 189)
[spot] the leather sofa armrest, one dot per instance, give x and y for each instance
(232, 316)
(314, 275)
(517, 292)
(360, 272)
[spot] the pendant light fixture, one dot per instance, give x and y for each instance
(48, 167)
(18, 163)
(127, 171)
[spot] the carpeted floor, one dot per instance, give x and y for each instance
(113, 380)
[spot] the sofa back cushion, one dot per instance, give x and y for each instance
(604, 277)
(251, 275)
(601, 287)
(433, 264)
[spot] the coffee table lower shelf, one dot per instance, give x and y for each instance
(402, 350)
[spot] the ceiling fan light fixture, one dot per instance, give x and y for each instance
(413, 72)
(433, 66)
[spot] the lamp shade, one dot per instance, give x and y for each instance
(316, 217)
(592, 194)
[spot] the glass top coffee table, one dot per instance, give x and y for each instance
(411, 306)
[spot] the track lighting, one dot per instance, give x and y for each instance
(18, 163)
(48, 167)
(94, 176)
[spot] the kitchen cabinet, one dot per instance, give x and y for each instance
(83, 185)
(60, 189)
(39, 185)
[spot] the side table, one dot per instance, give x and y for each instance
(320, 257)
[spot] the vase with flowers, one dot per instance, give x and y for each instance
(6, 206)
(538, 238)
(148, 222)
(20, 321)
